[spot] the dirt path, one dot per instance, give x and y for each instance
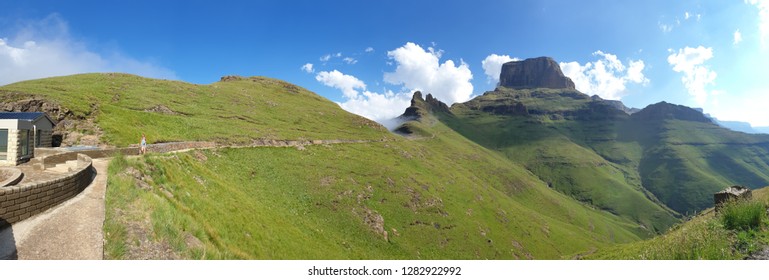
(69, 231)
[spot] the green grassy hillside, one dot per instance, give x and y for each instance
(567, 143)
(234, 111)
(432, 195)
(736, 232)
(441, 197)
(652, 167)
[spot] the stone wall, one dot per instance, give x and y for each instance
(10, 176)
(14, 148)
(178, 146)
(59, 158)
(20, 202)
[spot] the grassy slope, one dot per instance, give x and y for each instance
(703, 237)
(579, 158)
(446, 197)
(691, 161)
(649, 170)
(229, 112)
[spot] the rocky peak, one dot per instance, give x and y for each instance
(420, 106)
(540, 72)
(664, 110)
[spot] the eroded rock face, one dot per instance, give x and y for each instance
(54, 111)
(541, 72)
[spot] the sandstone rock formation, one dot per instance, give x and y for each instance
(540, 72)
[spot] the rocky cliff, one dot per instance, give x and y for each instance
(541, 72)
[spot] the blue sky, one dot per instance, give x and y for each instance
(370, 56)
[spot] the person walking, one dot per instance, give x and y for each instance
(143, 149)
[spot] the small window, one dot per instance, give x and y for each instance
(24, 142)
(3, 144)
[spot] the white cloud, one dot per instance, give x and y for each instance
(737, 37)
(492, 66)
(338, 54)
(378, 107)
(665, 27)
(346, 83)
(325, 58)
(45, 48)
(417, 69)
(687, 15)
(308, 68)
(350, 60)
(369, 49)
(607, 77)
(749, 107)
(697, 76)
(763, 15)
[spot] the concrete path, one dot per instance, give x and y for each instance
(69, 231)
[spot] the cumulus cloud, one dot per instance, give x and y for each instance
(325, 58)
(415, 69)
(350, 60)
(763, 17)
(687, 15)
(45, 48)
(346, 83)
(607, 77)
(308, 68)
(369, 49)
(492, 66)
(381, 107)
(420, 69)
(737, 37)
(696, 75)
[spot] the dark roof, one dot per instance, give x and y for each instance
(31, 116)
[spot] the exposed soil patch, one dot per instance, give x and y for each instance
(161, 109)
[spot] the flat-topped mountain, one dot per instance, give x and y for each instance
(540, 72)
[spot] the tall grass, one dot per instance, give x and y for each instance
(743, 215)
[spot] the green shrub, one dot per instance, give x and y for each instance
(743, 215)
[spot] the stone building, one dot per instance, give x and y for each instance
(20, 133)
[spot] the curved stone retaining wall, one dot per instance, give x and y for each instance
(20, 202)
(12, 176)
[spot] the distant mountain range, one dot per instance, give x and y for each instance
(652, 165)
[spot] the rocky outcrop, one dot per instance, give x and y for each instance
(54, 111)
(516, 109)
(420, 106)
(541, 72)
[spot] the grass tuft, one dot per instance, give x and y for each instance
(743, 215)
